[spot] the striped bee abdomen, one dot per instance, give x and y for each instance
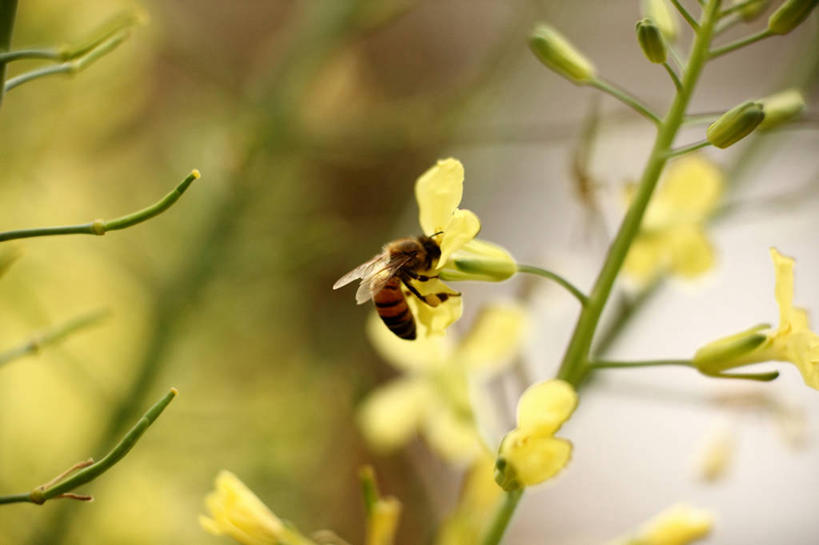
(392, 307)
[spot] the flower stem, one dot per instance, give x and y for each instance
(8, 11)
(20, 54)
(689, 148)
(578, 349)
(629, 364)
(687, 16)
(626, 99)
(673, 76)
(740, 43)
(568, 286)
(89, 471)
(100, 227)
(502, 517)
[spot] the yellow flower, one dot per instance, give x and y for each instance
(439, 191)
(382, 522)
(238, 513)
(680, 524)
(672, 238)
(717, 454)
(433, 397)
(530, 454)
(792, 341)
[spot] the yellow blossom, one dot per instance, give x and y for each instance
(530, 454)
(433, 397)
(235, 511)
(792, 341)
(717, 454)
(672, 237)
(680, 524)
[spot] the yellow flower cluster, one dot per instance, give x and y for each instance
(530, 454)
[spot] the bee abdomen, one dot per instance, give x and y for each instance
(394, 311)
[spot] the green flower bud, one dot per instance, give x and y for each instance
(790, 15)
(479, 260)
(557, 53)
(735, 124)
(663, 16)
(651, 40)
(781, 107)
(751, 10)
(729, 352)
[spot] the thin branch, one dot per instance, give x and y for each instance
(100, 227)
(82, 473)
(689, 148)
(603, 364)
(52, 54)
(718, 52)
(626, 99)
(502, 518)
(736, 7)
(675, 56)
(673, 75)
(53, 335)
(687, 16)
(568, 286)
(69, 67)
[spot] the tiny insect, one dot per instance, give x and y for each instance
(385, 275)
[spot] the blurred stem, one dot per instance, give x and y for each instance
(565, 284)
(626, 99)
(627, 308)
(63, 484)
(740, 43)
(629, 364)
(8, 11)
(53, 335)
(673, 75)
(689, 148)
(100, 227)
(502, 517)
(687, 16)
(21, 54)
(571, 368)
(69, 67)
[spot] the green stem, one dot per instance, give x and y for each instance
(629, 364)
(8, 12)
(69, 67)
(673, 75)
(687, 16)
(52, 336)
(21, 54)
(627, 308)
(578, 349)
(718, 52)
(66, 484)
(100, 227)
(689, 148)
(626, 99)
(502, 517)
(568, 286)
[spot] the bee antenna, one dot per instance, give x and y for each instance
(436, 234)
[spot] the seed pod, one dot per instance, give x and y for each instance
(790, 15)
(651, 40)
(735, 124)
(781, 107)
(559, 54)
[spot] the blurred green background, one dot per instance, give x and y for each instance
(309, 122)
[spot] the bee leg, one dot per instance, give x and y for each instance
(433, 299)
(420, 277)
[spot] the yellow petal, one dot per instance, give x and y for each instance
(392, 414)
(691, 252)
(452, 436)
(692, 188)
(678, 525)
(422, 354)
(803, 347)
(494, 339)
(439, 191)
(783, 290)
(529, 459)
(462, 227)
(433, 320)
(545, 406)
(646, 259)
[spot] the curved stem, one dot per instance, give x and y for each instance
(20, 54)
(626, 99)
(673, 75)
(64, 484)
(502, 517)
(689, 148)
(718, 52)
(568, 286)
(8, 12)
(602, 364)
(100, 227)
(578, 349)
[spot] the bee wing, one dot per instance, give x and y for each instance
(375, 281)
(362, 271)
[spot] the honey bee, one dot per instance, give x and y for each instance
(385, 275)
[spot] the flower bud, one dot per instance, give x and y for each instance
(729, 352)
(557, 53)
(790, 15)
(479, 260)
(661, 13)
(735, 124)
(781, 107)
(751, 10)
(651, 40)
